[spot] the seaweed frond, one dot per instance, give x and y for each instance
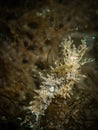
(62, 77)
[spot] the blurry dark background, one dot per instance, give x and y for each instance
(30, 34)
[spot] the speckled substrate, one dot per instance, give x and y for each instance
(30, 34)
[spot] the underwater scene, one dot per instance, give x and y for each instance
(49, 65)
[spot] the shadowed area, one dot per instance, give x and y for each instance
(31, 32)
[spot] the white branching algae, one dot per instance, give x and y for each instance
(70, 68)
(62, 77)
(50, 86)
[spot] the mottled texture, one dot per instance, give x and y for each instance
(30, 34)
